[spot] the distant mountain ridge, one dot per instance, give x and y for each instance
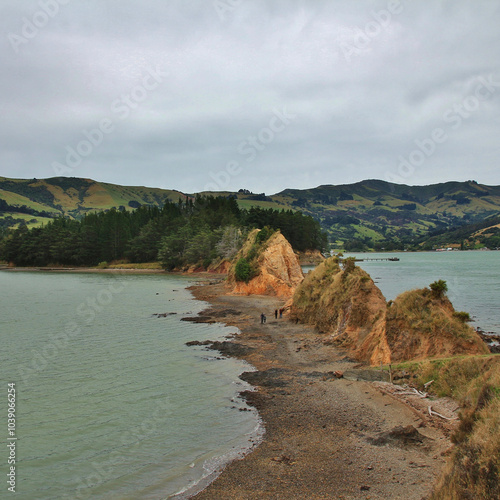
(366, 214)
(374, 211)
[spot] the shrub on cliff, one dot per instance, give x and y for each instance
(349, 264)
(243, 270)
(439, 288)
(264, 234)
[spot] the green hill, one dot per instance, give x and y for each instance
(375, 213)
(368, 214)
(37, 200)
(469, 236)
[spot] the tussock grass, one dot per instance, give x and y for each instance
(326, 293)
(474, 382)
(421, 324)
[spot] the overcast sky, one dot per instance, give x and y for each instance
(256, 94)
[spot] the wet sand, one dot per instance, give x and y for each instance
(326, 437)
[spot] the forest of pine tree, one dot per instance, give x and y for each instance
(191, 231)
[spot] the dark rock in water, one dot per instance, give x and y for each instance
(400, 436)
(199, 319)
(231, 348)
(163, 315)
(492, 340)
(267, 378)
(227, 348)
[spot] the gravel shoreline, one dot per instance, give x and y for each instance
(326, 437)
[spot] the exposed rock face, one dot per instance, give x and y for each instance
(276, 267)
(346, 305)
(221, 267)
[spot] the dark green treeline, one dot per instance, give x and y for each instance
(191, 231)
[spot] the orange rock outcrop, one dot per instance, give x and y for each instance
(278, 270)
(346, 305)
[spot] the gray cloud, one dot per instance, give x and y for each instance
(366, 82)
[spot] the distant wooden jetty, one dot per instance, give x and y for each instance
(390, 259)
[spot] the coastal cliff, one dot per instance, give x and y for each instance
(265, 265)
(344, 303)
(422, 325)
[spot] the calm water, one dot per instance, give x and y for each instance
(473, 279)
(111, 403)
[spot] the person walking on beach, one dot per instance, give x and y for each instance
(276, 314)
(262, 318)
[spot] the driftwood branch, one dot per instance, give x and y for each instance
(432, 412)
(414, 393)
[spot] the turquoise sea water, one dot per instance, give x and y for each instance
(110, 402)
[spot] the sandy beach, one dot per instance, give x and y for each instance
(326, 437)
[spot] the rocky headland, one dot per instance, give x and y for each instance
(330, 432)
(273, 267)
(348, 309)
(336, 426)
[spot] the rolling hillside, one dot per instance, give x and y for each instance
(38, 200)
(367, 214)
(478, 235)
(376, 211)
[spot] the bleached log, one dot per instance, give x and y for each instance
(432, 412)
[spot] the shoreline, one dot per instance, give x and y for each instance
(202, 275)
(325, 437)
(81, 270)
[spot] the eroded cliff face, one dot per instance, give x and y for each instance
(276, 268)
(221, 267)
(346, 305)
